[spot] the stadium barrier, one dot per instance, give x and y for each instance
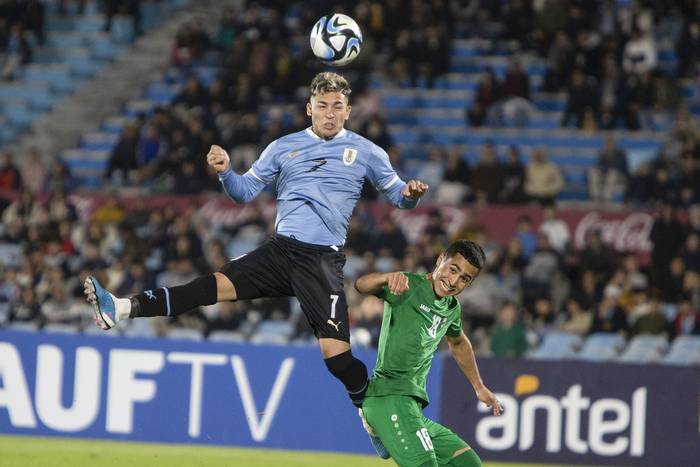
(162, 390)
(569, 412)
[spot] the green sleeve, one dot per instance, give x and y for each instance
(455, 327)
(392, 299)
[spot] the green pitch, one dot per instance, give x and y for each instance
(62, 452)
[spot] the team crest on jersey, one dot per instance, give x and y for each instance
(349, 156)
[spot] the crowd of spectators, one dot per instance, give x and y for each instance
(602, 54)
(21, 31)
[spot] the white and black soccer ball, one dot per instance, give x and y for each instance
(336, 39)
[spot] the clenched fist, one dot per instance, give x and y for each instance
(218, 158)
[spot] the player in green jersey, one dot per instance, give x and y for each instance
(419, 309)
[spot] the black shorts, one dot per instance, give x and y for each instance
(285, 267)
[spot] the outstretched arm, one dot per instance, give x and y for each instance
(240, 188)
(463, 353)
(374, 282)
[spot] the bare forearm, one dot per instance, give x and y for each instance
(463, 353)
(371, 283)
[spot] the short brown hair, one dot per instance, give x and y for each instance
(328, 81)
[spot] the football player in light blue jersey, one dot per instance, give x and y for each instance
(318, 174)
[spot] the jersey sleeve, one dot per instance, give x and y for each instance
(266, 167)
(385, 179)
(243, 188)
(454, 329)
(392, 299)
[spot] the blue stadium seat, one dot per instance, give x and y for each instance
(557, 345)
(227, 336)
(99, 141)
(684, 350)
(644, 349)
(601, 346)
(122, 31)
(184, 334)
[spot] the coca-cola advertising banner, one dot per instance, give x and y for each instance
(570, 412)
(624, 230)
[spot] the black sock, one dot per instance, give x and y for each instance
(352, 373)
(172, 301)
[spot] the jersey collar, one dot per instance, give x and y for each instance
(340, 134)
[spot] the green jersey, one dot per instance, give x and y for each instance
(413, 325)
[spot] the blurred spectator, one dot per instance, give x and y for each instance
(516, 82)
(10, 176)
(513, 173)
(508, 337)
(666, 237)
(691, 252)
(527, 236)
(687, 320)
(597, 257)
(689, 49)
(543, 179)
(457, 176)
(654, 322)
(609, 317)
(556, 230)
(581, 95)
(689, 183)
(487, 177)
(577, 321)
(34, 172)
(639, 55)
(14, 51)
(672, 281)
(609, 177)
(123, 160)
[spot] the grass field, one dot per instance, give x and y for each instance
(16, 451)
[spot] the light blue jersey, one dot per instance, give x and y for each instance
(318, 182)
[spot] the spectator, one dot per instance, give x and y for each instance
(123, 159)
(526, 235)
(609, 317)
(543, 180)
(666, 237)
(654, 322)
(578, 321)
(556, 230)
(10, 176)
(17, 52)
(689, 49)
(487, 175)
(639, 55)
(597, 257)
(508, 337)
(687, 320)
(516, 82)
(581, 95)
(513, 178)
(34, 172)
(488, 90)
(457, 176)
(672, 281)
(609, 177)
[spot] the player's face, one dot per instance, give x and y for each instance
(452, 275)
(328, 113)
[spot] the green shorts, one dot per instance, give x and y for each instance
(410, 437)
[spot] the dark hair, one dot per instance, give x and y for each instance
(471, 251)
(328, 81)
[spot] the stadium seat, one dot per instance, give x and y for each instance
(557, 345)
(273, 332)
(227, 336)
(185, 334)
(24, 326)
(601, 346)
(684, 350)
(61, 328)
(644, 348)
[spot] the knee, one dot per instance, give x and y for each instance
(225, 290)
(465, 457)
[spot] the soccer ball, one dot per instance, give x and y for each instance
(336, 39)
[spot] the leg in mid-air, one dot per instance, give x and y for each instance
(163, 301)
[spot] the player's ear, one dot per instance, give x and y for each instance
(440, 259)
(347, 114)
(308, 109)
